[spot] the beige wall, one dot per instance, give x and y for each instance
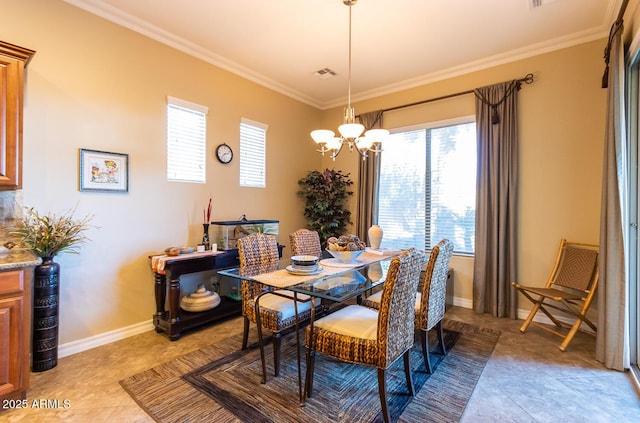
(562, 131)
(93, 84)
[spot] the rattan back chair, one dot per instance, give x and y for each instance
(430, 301)
(305, 242)
(570, 289)
(432, 298)
(363, 335)
(277, 313)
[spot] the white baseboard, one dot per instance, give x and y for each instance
(523, 314)
(462, 302)
(85, 344)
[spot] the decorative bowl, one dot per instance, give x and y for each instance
(346, 256)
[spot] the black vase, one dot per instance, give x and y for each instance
(46, 291)
(205, 237)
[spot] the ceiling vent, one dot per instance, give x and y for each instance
(325, 73)
(534, 4)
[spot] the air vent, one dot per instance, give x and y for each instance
(534, 4)
(324, 73)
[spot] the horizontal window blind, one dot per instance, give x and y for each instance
(253, 137)
(427, 187)
(186, 141)
(401, 195)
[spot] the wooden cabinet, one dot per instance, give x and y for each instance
(13, 60)
(15, 332)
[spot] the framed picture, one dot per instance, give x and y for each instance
(103, 171)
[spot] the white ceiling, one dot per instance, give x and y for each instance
(396, 44)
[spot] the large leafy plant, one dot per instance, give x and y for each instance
(326, 194)
(50, 234)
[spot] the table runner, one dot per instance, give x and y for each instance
(158, 262)
(283, 279)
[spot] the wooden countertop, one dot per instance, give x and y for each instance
(17, 258)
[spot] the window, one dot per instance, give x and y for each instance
(427, 188)
(186, 141)
(253, 139)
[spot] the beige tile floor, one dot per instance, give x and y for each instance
(527, 379)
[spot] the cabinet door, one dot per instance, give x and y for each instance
(11, 86)
(11, 345)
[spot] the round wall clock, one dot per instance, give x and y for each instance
(224, 153)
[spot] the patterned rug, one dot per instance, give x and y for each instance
(221, 383)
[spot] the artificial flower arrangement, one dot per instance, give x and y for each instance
(51, 234)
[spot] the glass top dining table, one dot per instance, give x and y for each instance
(334, 281)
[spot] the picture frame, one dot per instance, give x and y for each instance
(103, 171)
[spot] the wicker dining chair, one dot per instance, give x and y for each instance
(430, 301)
(277, 313)
(571, 288)
(305, 242)
(363, 335)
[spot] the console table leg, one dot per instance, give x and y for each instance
(174, 300)
(161, 294)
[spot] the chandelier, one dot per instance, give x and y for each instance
(350, 131)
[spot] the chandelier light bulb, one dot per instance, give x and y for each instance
(351, 130)
(377, 135)
(321, 136)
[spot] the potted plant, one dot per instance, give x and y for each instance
(47, 236)
(326, 194)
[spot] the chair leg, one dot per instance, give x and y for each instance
(407, 372)
(245, 335)
(276, 353)
(382, 390)
(424, 340)
(308, 383)
(532, 313)
(570, 335)
(443, 348)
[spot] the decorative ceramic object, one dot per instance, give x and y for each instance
(200, 300)
(375, 236)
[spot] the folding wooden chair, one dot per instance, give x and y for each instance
(570, 288)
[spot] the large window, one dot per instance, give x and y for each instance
(427, 188)
(253, 147)
(186, 141)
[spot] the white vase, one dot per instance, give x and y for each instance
(375, 236)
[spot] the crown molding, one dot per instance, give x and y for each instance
(100, 8)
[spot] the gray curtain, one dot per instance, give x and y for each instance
(368, 171)
(612, 338)
(495, 264)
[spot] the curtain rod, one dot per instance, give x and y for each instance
(615, 27)
(528, 79)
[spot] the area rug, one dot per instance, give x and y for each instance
(221, 383)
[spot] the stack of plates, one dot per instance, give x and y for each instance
(304, 265)
(309, 270)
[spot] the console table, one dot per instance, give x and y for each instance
(169, 318)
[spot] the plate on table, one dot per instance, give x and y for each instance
(186, 250)
(303, 272)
